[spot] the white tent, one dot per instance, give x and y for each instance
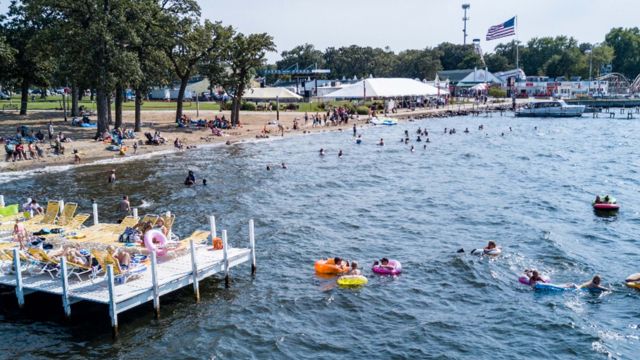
(386, 88)
(264, 94)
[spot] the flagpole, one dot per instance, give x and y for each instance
(517, 50)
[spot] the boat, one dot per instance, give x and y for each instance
(552, 108)
(383, 121)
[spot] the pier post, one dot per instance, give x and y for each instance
(194, 271)
(65, 288)
(225, 254)
(212, 223)
(61, 208)
(16, 265)
(168, 216)
(135, 213)
(252, 243)
(1, 201)
(95, 213)
(154, 281)
(113, 312)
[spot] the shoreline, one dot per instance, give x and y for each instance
(94, 153)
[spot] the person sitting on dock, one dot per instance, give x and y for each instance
(161, 226)
(123, 257)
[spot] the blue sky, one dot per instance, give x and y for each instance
(404, 24)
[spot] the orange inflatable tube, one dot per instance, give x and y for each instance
(329, 267)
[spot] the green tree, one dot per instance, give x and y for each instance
(420, 64)
(304, 56)
(626, 45)
(454, 56)
(496, 62)
(31, 65)
(540, 51)
(243, 56)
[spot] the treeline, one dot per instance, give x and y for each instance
(551, 56)
(111, 45)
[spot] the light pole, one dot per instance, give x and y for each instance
(465, 7)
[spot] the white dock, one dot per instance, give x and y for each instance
(160, 278)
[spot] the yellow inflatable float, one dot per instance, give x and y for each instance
(633, 281)
(352, 280)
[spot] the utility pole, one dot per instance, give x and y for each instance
(465, 7)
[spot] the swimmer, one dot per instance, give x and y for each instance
(340, 153)
(191, 179)
(510, 128)
(384, 262)
(112, 176)
(359, 139)
(445, 130)
(354, 269)
(466, 130)
(204, 182)
(428, 140)
(480, 127)
(321, 152)
(593, 284)
(533, 276)
(412, 148)
(284, 166)
(502, 134)
(268, 168)
(381, 143)
(425, 146)
(406, 133)
(491, 245)
(419, 139)
(406, 141)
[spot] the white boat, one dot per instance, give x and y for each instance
(383, 121)
(553, 108)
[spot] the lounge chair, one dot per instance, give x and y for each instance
(151, 218)
(121, 275)
(66, 215)
(74, 224)
(42, 263)
(78, 270)
(49, 217)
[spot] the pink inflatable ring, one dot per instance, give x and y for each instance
(153, 237)
(393, 268)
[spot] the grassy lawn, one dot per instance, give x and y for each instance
(54, 103)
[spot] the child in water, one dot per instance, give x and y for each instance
(354, 269)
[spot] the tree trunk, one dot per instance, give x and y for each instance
(138, 118)
(183, 87)
(119, 100)
(109, 117)
(25, 97)
(74, 100)
(102, 104)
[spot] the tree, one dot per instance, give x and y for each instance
(420, 64)
(626, 45)
(455, 56)
(31, 65)
(541, 50)
(304, 56)
(193, 43)
(496, 62)
(242, 57)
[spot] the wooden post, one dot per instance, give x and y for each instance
(212, 222)
(252, 243)
(1, 201)
(154, 281)
(225, 254)
(61, 208)
(16, 265)
(95, 214)
(168, 216)
(194, 271)
(112, 301)
(65, 288)
(135, 213)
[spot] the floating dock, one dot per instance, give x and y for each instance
(160, 278)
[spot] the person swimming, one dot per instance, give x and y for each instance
(340, 153)
(428, 140)
(321, 152)
(354, 269)
(466, 130)
(191, 179)
(534, 277)
(412, 148)
(359, 139)
(491, 245)
(593, 284)
(268, 168)
(419, 139)
(381, 143)
(284, 166)
(406, 141)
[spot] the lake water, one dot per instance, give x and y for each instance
(530, 190)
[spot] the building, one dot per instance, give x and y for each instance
(461, 81)
(543, 86)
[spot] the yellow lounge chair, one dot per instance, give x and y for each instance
(152, 219)
(49, 216)
(66, 215)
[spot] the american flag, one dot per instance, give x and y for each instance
(505, 29)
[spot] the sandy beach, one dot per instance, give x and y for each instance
(252, 125)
